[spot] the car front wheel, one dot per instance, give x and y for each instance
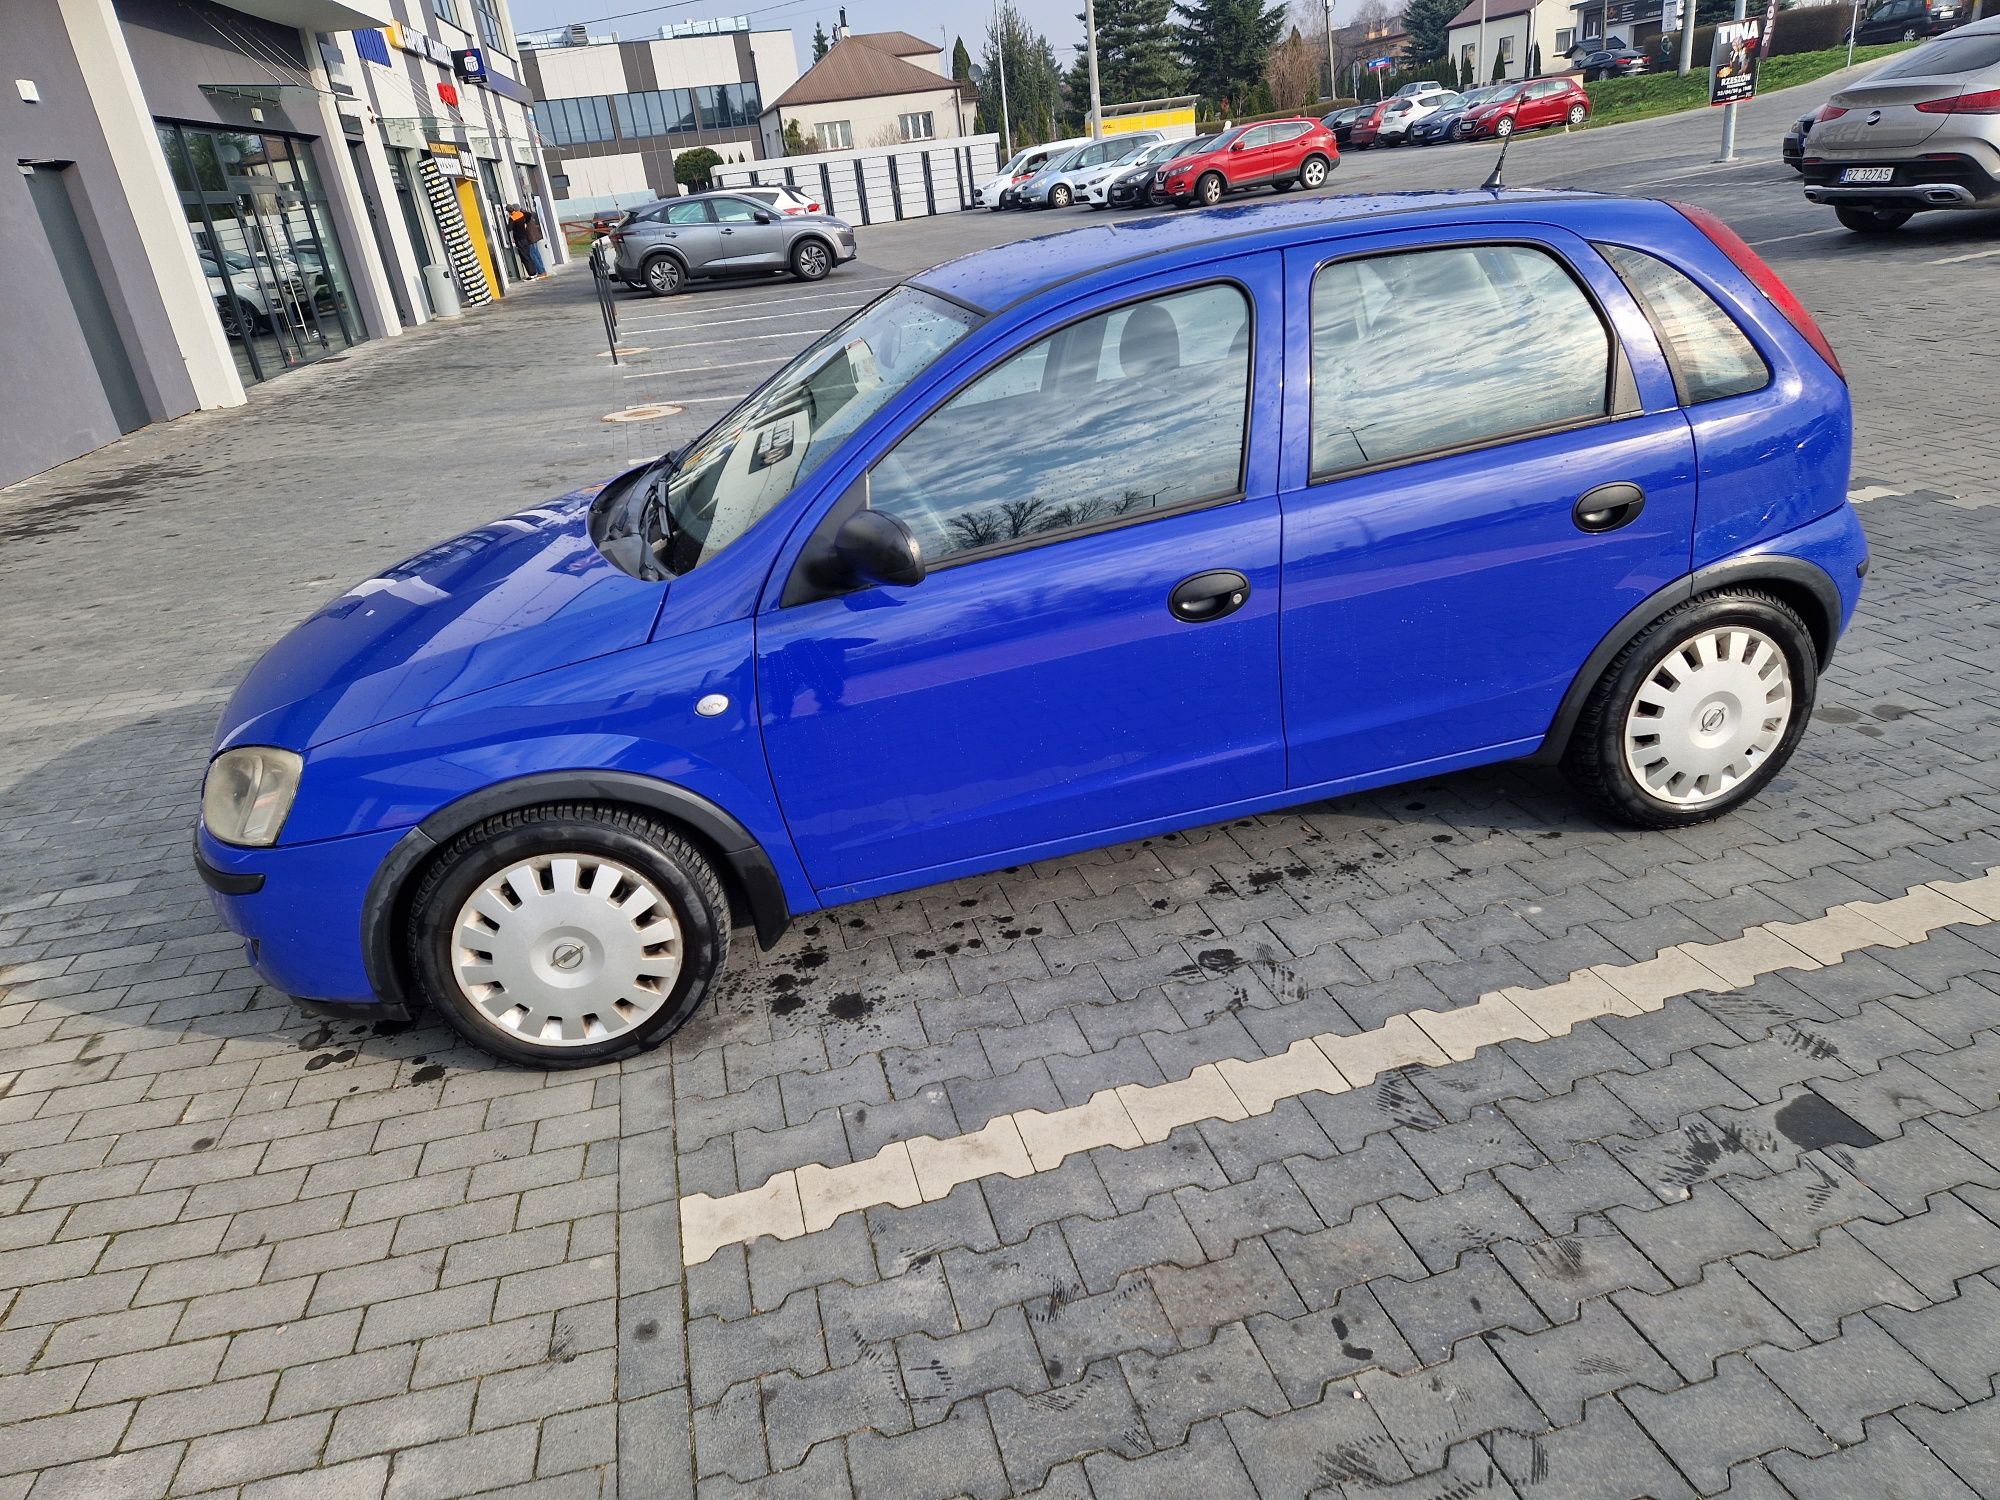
(1578, 114)
(1312, 172)
(567, 935)
(1208, 192)
(811, 260)
(664, 276)
(1504, 127)
(1864, 220)
(1697, 714)
(1059, 196)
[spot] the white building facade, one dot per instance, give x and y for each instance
(1506, 34)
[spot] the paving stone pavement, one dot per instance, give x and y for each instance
(1746, 1243)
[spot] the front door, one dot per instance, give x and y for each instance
(752, 239)
(1452, 553)
(1057, 678)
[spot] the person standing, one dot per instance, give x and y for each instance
(526, 230)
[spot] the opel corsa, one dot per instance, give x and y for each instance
(1047, 550)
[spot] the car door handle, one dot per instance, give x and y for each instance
(1208, 596)
(729, 231)
(1608, 507)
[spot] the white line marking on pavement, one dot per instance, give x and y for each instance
(794, 1202)
(694, 306)
(1952, 260)
(744, 338)
(742, 364)
(724, 322)
(1707, 171)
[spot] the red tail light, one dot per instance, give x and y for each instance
(1829, 112)
(1986, 103)
(1767, 281)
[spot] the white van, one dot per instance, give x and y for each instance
(1026, 163)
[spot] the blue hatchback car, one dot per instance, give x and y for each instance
(1051, 548)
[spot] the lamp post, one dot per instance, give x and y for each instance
(1090, 41)
(1000, 51)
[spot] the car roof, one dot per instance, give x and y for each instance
(992, 279)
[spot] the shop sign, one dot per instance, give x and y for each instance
(421, 43)
(449, 93)
(469, 64)
(449, 161)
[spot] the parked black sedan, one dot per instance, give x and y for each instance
(1342, 121)
(1615, 62)
(1133, 187)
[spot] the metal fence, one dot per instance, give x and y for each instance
(600, 274)
(911, 181)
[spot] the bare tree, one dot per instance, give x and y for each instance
(1293, 71)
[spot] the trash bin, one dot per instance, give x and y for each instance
(442, 291)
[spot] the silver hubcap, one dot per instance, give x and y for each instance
(566, 949)
(1709, 715)
(1314, 174)
(666, 275)
(813, 260)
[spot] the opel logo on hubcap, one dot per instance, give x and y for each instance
(566, 956)
(1712, 720)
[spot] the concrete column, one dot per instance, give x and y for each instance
(407, 271)
(372, 295)
(113, 84)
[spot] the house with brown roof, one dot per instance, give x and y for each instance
(873, 88)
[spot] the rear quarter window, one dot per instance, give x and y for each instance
(1711, 356)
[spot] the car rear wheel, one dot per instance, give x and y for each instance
(1864, 220)
(1208, 192)
(1312, 172)
(1578, 114)
(664, 275)
(811, 260)
(1697, 714)
(567, 935)
(1909, 33)
(1059, 196)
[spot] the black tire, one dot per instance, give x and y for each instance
(645, 844)
(1313, 173)
(1865, 220)
(663, 275)
(1059, 196)
(1282, 184)
(1208, 192)
(1909, 33)
(811, 259)
(1594, 758)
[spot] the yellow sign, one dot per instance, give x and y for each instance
(1152, 119)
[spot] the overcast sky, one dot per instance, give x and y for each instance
(924, 18)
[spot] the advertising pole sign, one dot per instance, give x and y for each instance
(1732, 69)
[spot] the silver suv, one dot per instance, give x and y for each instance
(1922, 131)
(666, 245)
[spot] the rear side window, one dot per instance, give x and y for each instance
(1710, 355)
(1437, 350)
(1946, 55)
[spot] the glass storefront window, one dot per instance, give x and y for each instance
(266, 245)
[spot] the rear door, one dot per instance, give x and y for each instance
(689, 228)
(1452, 553)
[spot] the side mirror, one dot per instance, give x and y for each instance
(1235, 145)
(875, 547)
(764, 218)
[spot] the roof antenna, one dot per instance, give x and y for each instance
(1493, 184)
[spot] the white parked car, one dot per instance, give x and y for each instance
(1059, 186)
(1418, 90)
(1404, 112)
(1098, 192)
(1025, 164)
(785, 198)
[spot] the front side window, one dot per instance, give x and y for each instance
(1135, 410)
(735, 210)
(755, 456)
(1432, 350)
(1711, 356)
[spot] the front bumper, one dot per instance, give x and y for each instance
(299, 909)
(1942, 180)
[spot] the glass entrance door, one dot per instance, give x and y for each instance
(260, 228)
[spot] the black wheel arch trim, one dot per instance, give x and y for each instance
(754, 876)
(1765, 568)
(224, 882)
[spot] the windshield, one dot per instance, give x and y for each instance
(755, 456)
(1198, 144)
(1227, 137)
(1131, 154)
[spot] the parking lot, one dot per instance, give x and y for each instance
(1725, 1222)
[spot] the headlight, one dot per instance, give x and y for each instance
(247, 794)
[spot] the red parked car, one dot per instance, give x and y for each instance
(1277, 154)
(1368, 128)
(1530, 106)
